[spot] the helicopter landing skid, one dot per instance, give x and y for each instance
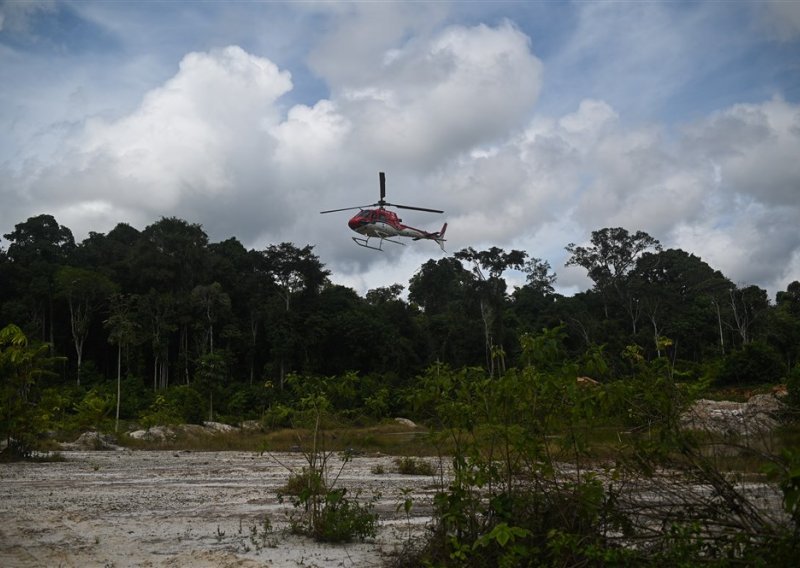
(365, 243)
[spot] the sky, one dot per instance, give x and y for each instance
(531, 124)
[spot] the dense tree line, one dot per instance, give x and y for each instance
(234, 331)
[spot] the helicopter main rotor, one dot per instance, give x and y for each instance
(382, 203)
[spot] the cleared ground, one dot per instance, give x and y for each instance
(178, 508)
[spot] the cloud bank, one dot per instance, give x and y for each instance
(451, 113)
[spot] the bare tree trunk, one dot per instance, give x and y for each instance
(719, 322)
(656, 334)
(253, 336)
(119, 384)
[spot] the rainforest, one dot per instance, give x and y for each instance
(136, 329)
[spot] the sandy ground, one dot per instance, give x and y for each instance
(173, 508)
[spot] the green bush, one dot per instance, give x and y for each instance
(277, 416)
(793, 390)
(247, 402)
(93, 411)
(413, 466)
(342, 519)
(755, 363)
(176, 405)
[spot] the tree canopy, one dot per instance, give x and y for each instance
(181, 310)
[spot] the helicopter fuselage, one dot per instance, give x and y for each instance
(382, 223)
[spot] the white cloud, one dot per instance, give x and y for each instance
(433, 100)
(362, 36)
(756, 147)
(310, 135)
(449, 112)
(201, 136)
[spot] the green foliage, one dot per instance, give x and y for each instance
(22, 420)
(793, 390)
(325, 512)
(413, 466)
(248, 402)
(786, 470)
(755, 363)
(342, 519)
(278, 416)
(512, 502)
(175, 405)
(304, 484)
(93, 411)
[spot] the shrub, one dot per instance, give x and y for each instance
(413, 466)
(93, 410)
(793, 390)
(342, 519)
(176, 405)
(755, 363)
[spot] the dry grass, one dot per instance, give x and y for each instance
(388, 438)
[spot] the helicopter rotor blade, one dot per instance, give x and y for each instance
(382, 203)
(348, 208)
(415, 208)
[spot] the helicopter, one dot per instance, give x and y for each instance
(383, 224)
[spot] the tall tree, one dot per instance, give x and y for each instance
(157, 312)
(86, 291)
(538, 276)
(110, 253)
(38, 247)
(293, 271)
(487, 268)
(608, 260)
(123, 332)
(170, 255)
(212, 303)
(441, 289)
(748, 304)
(534, 303)
(784, 326)
(676, 292)
(243, 276)
(437, 284)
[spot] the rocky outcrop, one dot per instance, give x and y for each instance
(405, 422)
(760, 414)
(92, 440)
(166, 433)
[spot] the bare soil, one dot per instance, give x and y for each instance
(179, 508)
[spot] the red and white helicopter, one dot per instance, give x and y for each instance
(382, 224)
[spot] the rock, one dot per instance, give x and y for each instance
(760, 414)
(219, 427)
(153, 434)
(405, 422)
(92, 441)
(251, 426)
